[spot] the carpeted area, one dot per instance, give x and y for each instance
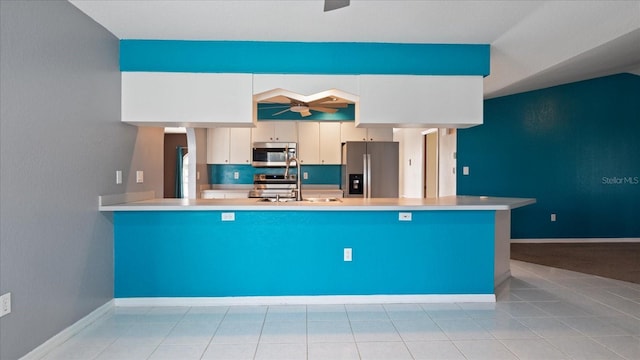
(619, 261)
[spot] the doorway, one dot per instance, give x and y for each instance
(172, 141)
(430, 180)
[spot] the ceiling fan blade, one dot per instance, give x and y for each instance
(281, 112)
(331, 105)
(305, 113)
(323, 100)
(335, 4)
(323, 109)
(275, 106)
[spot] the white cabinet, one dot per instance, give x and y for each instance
(309, 142)
(420, 101)
(330, 144)
(240, 146)
(280, 131)
(319, 143)
(187, 99)
(228, 146)
(349, 132)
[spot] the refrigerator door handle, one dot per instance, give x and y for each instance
(368, 181)
(365, 175)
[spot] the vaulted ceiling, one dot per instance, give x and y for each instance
(534, 44)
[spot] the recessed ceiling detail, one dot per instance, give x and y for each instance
(281, 103)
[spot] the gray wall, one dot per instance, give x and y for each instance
(61, 142)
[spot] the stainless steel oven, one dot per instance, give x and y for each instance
(272, 154)
(273, 186)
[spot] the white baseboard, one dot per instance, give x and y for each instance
(577, 240)
(303, 300)
(67, 333)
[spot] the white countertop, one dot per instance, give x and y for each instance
(345, 204)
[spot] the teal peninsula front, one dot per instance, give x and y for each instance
(243, 251)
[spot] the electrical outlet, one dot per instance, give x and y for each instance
(348, 254)
(228, 216)
(236, 175)
(553, 217)
(139, 176)
(465, 170)
(404, 216)
(5, 304)
(305, 175)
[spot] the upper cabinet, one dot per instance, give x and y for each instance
(278, 131)
(349, 132)
(330, 143)
(319, 143)
(420, 101)
(309, 142)
(187, 99)
(229, 146)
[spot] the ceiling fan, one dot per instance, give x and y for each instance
(327, 105)
(335, 4)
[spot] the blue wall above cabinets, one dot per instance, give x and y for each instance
(318, 174)
(338, 58)
(574, 148)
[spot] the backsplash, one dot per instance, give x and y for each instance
(317, 174)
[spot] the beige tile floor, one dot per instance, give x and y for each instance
(542, 313)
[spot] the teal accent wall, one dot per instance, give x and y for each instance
(339, 58)
(573, 147)
(318, 174)
(286, 253)
(267, 111)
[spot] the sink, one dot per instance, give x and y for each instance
(313, 200)
(328, 199)
(277, 200)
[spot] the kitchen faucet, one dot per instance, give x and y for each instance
(298, 178)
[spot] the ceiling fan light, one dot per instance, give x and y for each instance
(299, 108)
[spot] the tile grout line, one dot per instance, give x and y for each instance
(214, 333)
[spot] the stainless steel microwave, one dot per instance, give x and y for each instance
(274, 154)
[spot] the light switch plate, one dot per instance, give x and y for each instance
(139, 176)
(118, 176)
(5, 304)
(228, 216)
(465, 170)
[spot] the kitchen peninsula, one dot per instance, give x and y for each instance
(351, 250)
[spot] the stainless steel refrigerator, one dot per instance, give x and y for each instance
(370, 169)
